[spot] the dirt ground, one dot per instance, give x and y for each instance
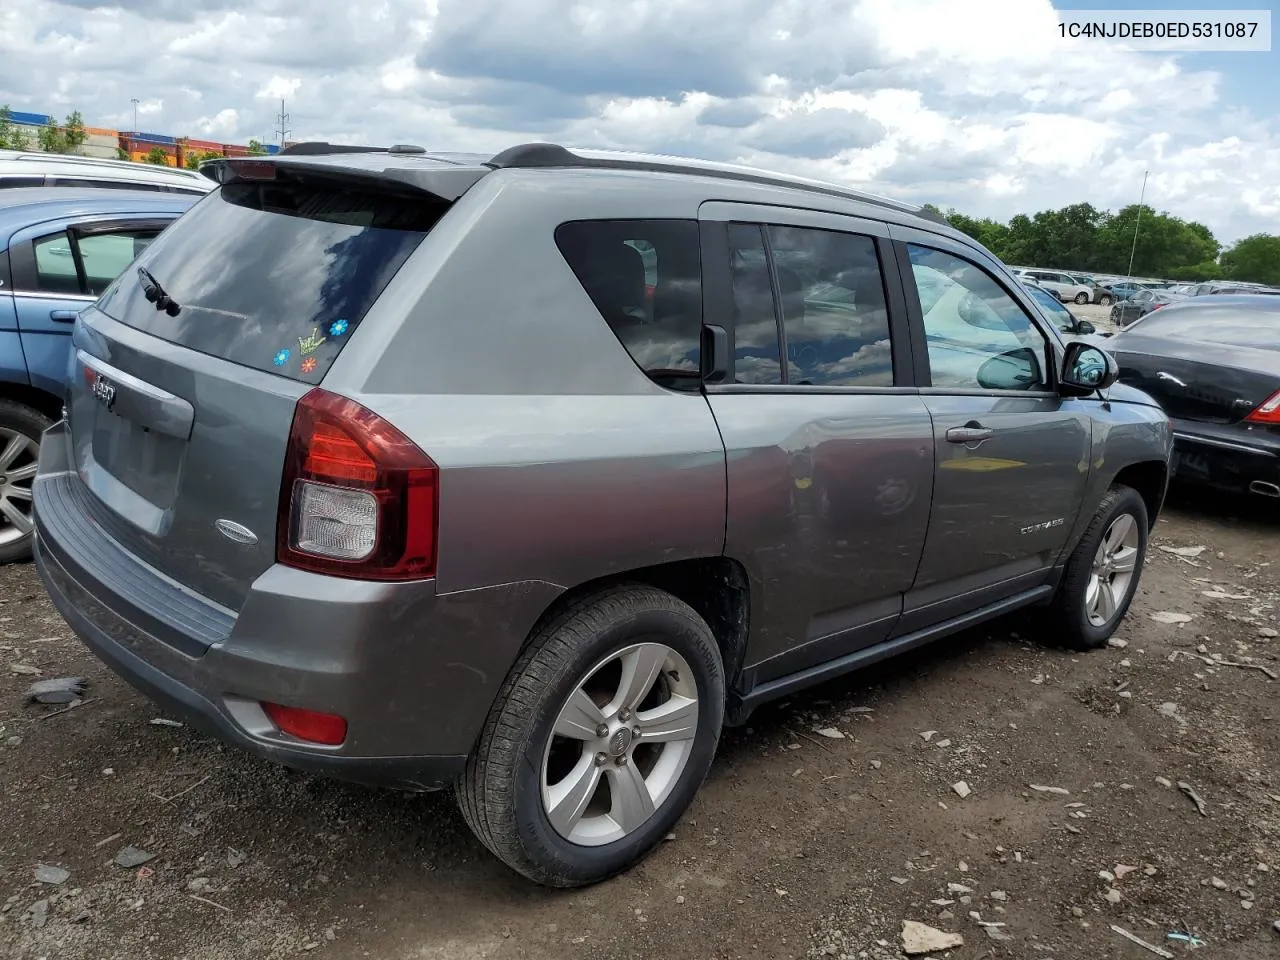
(799, 846)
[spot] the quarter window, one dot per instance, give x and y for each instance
(978, 337)
(645, 278)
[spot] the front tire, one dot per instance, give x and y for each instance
(1104, 300)
(1082, 298)
(599, 739)
(1102, 574)
(20, 430)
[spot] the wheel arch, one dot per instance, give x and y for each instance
(717, 588)
(33, 397)
(1150, 478)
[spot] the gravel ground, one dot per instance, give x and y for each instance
(799, 846)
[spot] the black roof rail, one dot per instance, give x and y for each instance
(311, 148)
(532, 155)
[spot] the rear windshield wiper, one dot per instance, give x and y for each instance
(155, 293)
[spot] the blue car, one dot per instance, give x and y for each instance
(59, 249)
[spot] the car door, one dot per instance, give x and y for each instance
(59, 267)
(829, 445)
(1012, 458)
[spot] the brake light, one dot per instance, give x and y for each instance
(1267, 412)
(328, 729)
(358, 498)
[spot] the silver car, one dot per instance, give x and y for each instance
(528, 473)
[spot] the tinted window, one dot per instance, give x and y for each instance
(21, 182)
(756, 353)
(1237, 328)
(645, 278)
(56, 265)
(274, 275)
(103, 184)
(835, 321)
(1062, 318)
(973, 321)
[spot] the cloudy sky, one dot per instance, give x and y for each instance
(976, 104)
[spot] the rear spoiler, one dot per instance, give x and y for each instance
(445, 181)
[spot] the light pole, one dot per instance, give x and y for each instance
(134, 101)
(1137, 220)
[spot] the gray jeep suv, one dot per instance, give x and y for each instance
(528, 473)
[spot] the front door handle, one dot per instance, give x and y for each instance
(971, 432)
(64, 316)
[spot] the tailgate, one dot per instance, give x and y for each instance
(185, 376)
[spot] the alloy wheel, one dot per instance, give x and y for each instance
(1114, 570)
(18, 456)
(620, 744)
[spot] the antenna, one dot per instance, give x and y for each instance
(282, 122)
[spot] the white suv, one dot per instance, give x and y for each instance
(32, 169)
(1061, 285)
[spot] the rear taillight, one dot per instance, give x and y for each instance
(1267, 412)
(358, 498)
(328, 729)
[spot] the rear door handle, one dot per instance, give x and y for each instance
(971, 432)
(64, 316)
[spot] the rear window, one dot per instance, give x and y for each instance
(274, 275)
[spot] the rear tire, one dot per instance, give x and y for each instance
(20, 430)
(1082, 298)
(1101, 578)
(558, 788)
(1104, 300)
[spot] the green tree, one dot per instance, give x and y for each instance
(256, 148)
(1255, 259)
(990, 233)
(1164, 243)
(122, 153)
(195, 158)
(12, 136)
(157, 156)
(68, 138)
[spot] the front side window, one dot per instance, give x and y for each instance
(645, 278)
(835, 319)
(978, 337)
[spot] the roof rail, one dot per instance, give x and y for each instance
(534, 155)
(317, 147)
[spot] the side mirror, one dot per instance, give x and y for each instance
(1084, 327)
(1087, 368)
(1017, 369)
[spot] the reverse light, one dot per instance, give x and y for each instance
(358, 498)
(328, 729)
(1267, 412)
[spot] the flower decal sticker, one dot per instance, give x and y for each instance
(281, 357)
(338, 328)
(309, 365)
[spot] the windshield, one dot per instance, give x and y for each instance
(274, 276)
(1062, 318)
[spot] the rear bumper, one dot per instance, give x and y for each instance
(1227, 457)
(414, 674)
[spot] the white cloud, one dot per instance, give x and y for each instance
(975, 104)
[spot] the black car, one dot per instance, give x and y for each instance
(1213, 363)
(1140, 304)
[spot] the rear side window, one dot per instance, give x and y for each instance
(645, 278)
(834, 316)
(274, 275)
